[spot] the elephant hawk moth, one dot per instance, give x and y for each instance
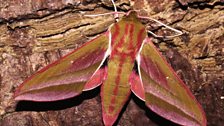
(120, 47)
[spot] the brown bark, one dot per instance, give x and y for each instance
(36, 33)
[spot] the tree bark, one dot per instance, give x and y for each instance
(36, 33)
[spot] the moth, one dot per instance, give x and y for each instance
(108, 61)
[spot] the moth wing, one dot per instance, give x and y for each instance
(69, 76)
(164, 92)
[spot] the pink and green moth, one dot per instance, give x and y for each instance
(124, 44)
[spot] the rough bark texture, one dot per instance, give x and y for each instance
(36, 33)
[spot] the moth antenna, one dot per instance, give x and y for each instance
(115, 13)
(115, 10)
(166, 37)
(109, 13)
(168, 27)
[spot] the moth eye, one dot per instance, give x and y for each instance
(71, 61)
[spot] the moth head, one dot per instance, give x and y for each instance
(132, 15)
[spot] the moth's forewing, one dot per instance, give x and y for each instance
(165, 93)
(67, 76)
